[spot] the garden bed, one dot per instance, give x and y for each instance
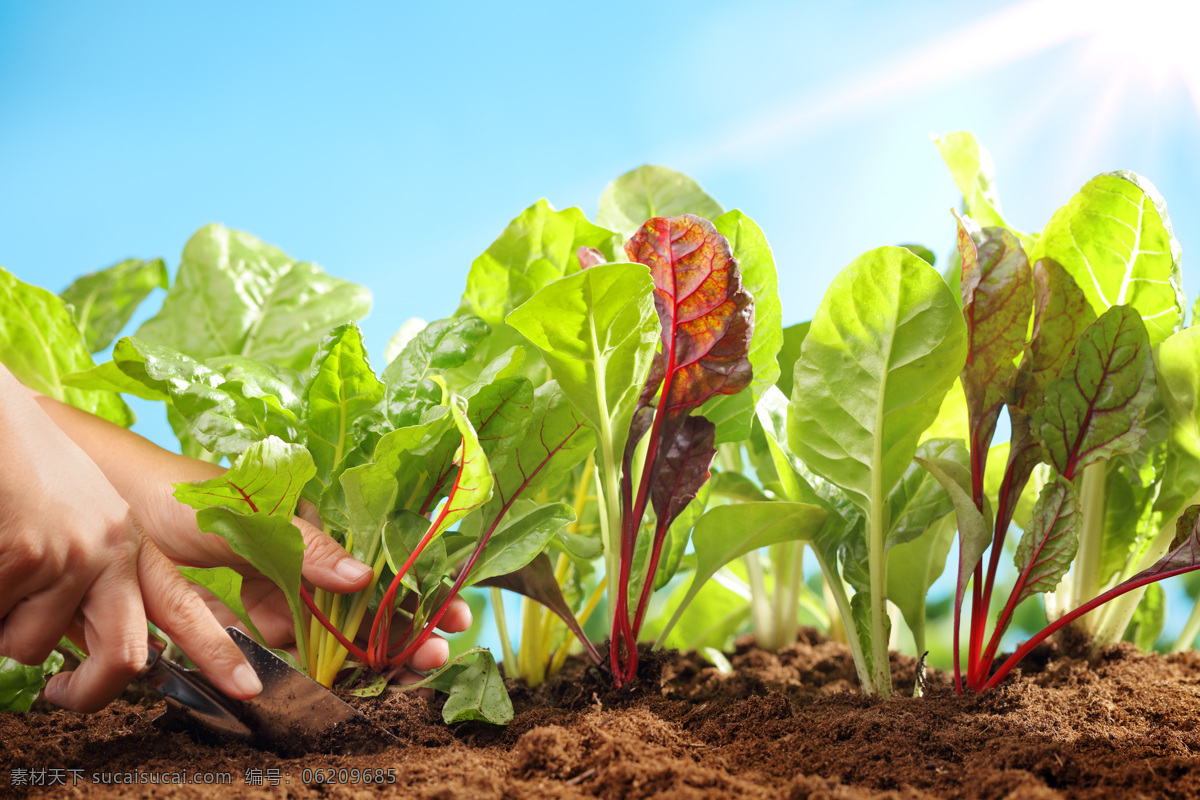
(787, 725)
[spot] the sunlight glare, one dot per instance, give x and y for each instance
(1155, 37)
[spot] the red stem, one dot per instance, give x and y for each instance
(978, 622)
(621, 630)
(1067, 619)
(437, 615)
(1003, 517)
(381, 627)
(660, 536)
(353, 649)
(1002, 622)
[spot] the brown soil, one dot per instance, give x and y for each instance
(787, 725)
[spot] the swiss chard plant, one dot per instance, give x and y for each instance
(608, 332)
(431, 487)
(1064, 340)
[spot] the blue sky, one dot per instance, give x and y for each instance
(392, 142)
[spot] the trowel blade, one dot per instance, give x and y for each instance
(292, 715)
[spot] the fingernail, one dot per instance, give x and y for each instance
(351, 570)
(246, 680)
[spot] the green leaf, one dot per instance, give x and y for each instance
(997, 294)
(736, 486)
(1096, 409)
(728, 532)
(757, 266)
(975, 530)
(913, 567)
(104, 301)
(598, 331)
(499, 406)
(408, 331)
(341, 390)
(220, 420)
(526, 531)
(922, 252)
(1124, 504)
(536, 249)
(396, 477)
(797, 482)
(401, 538)
(1114, 238)
(652, 191)
(39, 343)
(1177, 363)
(555, 439)
(235, 295)
(919, 499)
(971, 167)
(274, 393)
(884, 348)
(789, 354)
(474, 484)
(273, 546)
(267, 478)
(440, 346)
(1047, 549)
(225, 583)
(20, 684)
(714, 617)
(478, 693)
(951, 421)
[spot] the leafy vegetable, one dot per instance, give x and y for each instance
(40, 343)
(235, 295)
(1115, 240)
(882, 351)
(103, 302)
(652, 191)
(20, 684)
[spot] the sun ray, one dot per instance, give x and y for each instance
(1130, 39)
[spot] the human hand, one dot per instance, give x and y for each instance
(73, 557)
(145, 475)
(326, 564)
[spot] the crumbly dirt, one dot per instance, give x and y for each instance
(789, 725)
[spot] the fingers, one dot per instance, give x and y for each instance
(408, 676)
(457, 617)
(115, 630)
(327, 565)
(309, 513)
(431, 655)
(173, 606)
(34, 626)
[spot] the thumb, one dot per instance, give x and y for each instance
(327, 565)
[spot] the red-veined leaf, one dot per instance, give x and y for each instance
(1096, 408)
(707, 317)
(997, 293)
(1048, 547)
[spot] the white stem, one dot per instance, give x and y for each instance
(1086, 572)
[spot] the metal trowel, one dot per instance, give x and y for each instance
(293, 714)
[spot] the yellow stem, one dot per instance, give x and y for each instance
(561, 656)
